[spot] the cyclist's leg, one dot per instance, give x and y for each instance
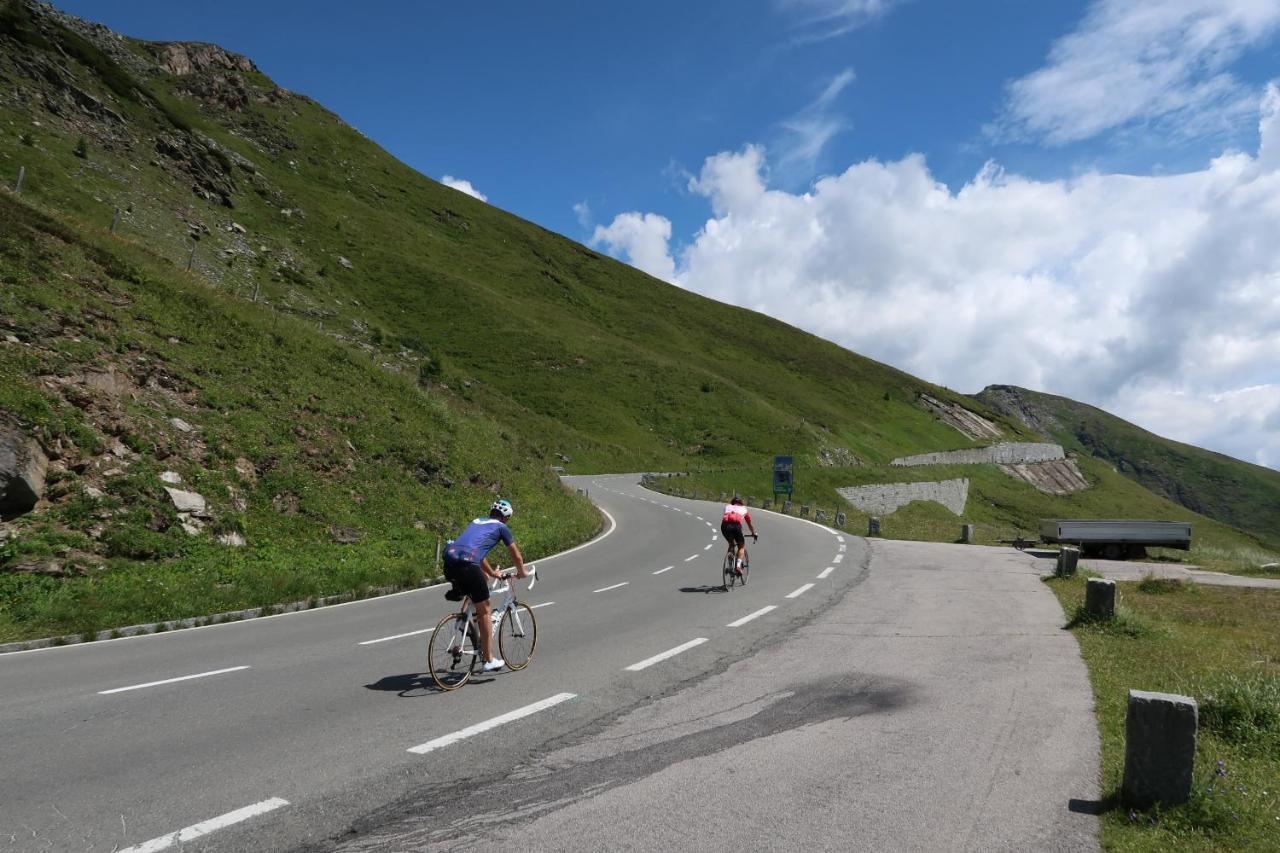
(485, 626)
(472, 580)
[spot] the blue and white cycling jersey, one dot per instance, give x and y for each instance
(478, 540)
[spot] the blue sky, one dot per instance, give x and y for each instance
(936, 184)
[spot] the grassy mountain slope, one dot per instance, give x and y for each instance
(1234, 492)
(356, 348)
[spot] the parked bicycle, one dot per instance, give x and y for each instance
(454, 649)
(729, 577)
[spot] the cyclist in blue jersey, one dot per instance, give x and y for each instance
(466, 564)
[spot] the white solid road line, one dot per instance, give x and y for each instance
(397, 636)
(692, 557)
(738, 623)
(708, 546)
(171, 680)
(669, 653)
(205, 827)
(837, 558)
(615, 586)
(478, 728)
(828, 570)
(543, 604)
(801, 591)
(667, 569)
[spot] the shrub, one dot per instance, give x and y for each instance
(1241, 709)
(1153, 585)
(82, 148)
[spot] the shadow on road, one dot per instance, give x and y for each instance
(704, 589)
(413, 685)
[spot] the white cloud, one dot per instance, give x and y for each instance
(809, 131)
(1157, 298)
(463, 187)
(640, 239)
(818, 20)
(1159, 61)
(582, 210)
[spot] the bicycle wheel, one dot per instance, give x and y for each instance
(746, 569)
(517, 636)
(728, 576)
(452, 654)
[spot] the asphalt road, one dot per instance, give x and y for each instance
(852, 696)
(298, 727)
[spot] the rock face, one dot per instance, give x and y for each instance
(886, 498)
(183, 58)
(970, 423)
(186, 501)
(22, 470)
(1057, 477)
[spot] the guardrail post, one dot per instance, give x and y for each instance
(766, 503)
(786, 507)
(1100, 597)
(873, 526)
(723, 497)
(804, 510)
(751, 500)
(1068, 557)
(966, 534)
(840, 519)
(1159, 748)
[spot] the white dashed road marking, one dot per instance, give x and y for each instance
(738, 623)
(669, 653)
(543, 604)
(837, 558)
(692, 557)
(708, 546)
(828, 570)
(667, 569)
(171, 681)
(478, 728)
(205, 827)
(615, 586)
(801, 591)
(397, 636)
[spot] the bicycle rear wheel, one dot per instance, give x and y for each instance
(746, 570)
(452, 654)
(727, 570)
(517, 636)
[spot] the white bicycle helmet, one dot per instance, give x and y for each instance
(502, 508)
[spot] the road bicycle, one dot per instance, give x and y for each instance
(453, 652)
(728, 576)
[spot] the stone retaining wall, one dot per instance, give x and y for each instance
(1007, 453)
(885, 498)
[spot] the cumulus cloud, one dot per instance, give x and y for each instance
(641, 240)
(582, 211)
(1158, 61)
(463, 187)
(1157, 298)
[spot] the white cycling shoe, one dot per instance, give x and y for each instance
(495, 665)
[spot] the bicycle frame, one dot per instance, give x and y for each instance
(467, 617)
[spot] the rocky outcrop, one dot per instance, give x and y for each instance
(1008, 453)
(1013, 401)
(885, 498)
(970, 423)
(183, 58)
(1059, 477)
(22, 471)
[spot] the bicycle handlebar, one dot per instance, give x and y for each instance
(508, 574)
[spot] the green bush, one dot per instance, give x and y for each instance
(1242, 709)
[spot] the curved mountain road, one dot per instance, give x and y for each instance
(853, 695)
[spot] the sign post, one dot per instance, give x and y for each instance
(782, 480)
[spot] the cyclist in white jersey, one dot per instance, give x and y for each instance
(731, 527)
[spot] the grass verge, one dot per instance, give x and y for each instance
(1219, 645)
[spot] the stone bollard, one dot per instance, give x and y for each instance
(873, 526)
(751, 500)
(804, 510)
(22, 173)
(786, 507)
(1067, 559)
(1100, 597)
(819, 516)
(839, 519)
(966, 534)
(766, 503)
(723, 497)
(1159, 748)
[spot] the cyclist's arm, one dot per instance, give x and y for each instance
(514, 550)
(751, 526)
(488, 569)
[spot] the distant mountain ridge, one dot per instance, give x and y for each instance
(1235, 492)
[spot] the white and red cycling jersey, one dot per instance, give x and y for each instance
(736, 514)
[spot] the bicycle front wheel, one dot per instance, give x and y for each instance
(517, 636)
(451, 653)
(727, 571)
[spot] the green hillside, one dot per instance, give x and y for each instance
(1234, 492)
(211, 277)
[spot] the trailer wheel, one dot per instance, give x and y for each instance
(1112, 551)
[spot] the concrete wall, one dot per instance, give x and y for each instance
(885, 498)
(1005, 454)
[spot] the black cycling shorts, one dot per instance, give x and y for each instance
(467, 578)
(732, 532)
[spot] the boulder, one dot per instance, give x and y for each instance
(22, 471)
(186, 501)
(180, 425)
(173, 478)
(344, 263)
(231, 540)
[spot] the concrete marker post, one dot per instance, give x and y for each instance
(966, 534)
(819, 516)
(786, 507)
(115, 221)
(1068, 558)
(873, 526)
(804, 510)
(1159, 748)
(840, 519)
(1100, 597)
(17, 187)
